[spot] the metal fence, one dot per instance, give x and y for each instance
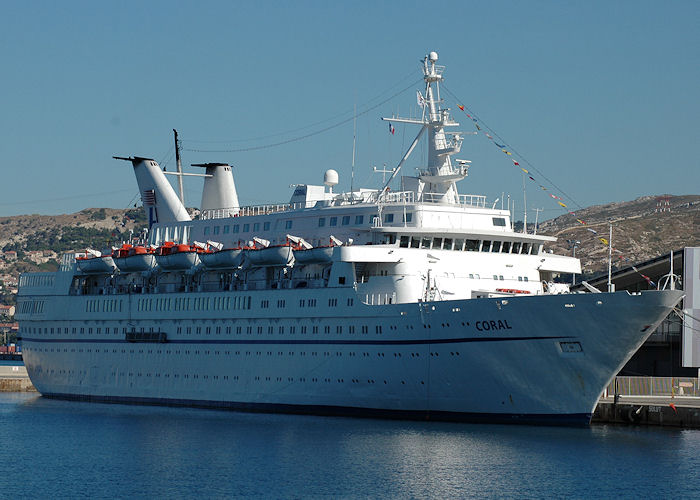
(653, 386)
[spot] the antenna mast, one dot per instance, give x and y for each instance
(179, 169)
(354, 138)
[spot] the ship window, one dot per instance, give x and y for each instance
(408, 217)
(388, 217)
(415, 242)
(321, 221)
(500, 277)
(496, 246)
(459, 244)
(288, 224)
(506, 247)
(227, 229)
(333, 221)
(346, 220)
(525, 278)
(471, 246)
(447, 244)
(526, 248)
(425, 243)
(485, 246)
(216, 229)
(499, 221)
(266, 226)
(256, 226)
(437, 243)
(520, 278)
(359, 219)
(246, 228)
(236, 228)
(206, 230)
(516, 247)
(404, 241)
(471, 276)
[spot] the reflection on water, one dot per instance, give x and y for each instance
(104, 450)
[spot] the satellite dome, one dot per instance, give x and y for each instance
(433, 56)
(330, 178)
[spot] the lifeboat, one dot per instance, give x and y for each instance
(131, 258)
(226, 258)
(177, 257)
(304, 253)
(262, 254)
(93, 262)
(316, 255)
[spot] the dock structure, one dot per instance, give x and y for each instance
(15, 379)
(662, 401)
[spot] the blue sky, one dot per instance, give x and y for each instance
(601, 97)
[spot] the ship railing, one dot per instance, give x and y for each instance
(653, 387)
(222, 213)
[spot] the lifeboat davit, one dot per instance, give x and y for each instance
(177, 257)
(130, 258)
(93, 262)
(226, 258)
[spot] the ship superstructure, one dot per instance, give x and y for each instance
(419, 302)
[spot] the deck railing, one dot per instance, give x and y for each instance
(653, 386)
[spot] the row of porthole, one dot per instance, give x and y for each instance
(224, 377)
(235, 353)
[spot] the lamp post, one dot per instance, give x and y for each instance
(573, 244)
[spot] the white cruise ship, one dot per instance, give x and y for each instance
(418, 302)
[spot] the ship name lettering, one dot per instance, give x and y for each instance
(485, 326)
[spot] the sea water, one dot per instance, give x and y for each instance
(52, 448)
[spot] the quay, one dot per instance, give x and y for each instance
(15, 379)
(660, 401)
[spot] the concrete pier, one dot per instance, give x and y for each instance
(15, 379)
(666, 411)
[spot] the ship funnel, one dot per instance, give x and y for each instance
(159, 199)
(219, 192)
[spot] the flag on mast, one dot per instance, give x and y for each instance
(391, 129)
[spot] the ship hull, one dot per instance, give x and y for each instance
(539, 359)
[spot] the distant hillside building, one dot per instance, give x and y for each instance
(7, 310)
(10, 255)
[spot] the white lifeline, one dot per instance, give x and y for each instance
(416, 303)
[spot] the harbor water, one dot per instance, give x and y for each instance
(73, 449)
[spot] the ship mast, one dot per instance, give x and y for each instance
(437, 181)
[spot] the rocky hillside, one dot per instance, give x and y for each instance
(640, 230)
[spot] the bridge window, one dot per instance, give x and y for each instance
(471, 246)
(236, 228)
(288, 224)
(516, 247)
(227, 229)
(321, 221)
(216, 229)
(333, 221)
(496, 247)
(447, 244)
(266, 226)
(415, 242)
(388, 217)
(505, 248)
(359, 219)
(256, 226)
(404, 241)
(425, 243)
(499, 221)
(526, 248)
(246, 228)
(408, 217)
(437, 243)
(485, 246)
(346, 220)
